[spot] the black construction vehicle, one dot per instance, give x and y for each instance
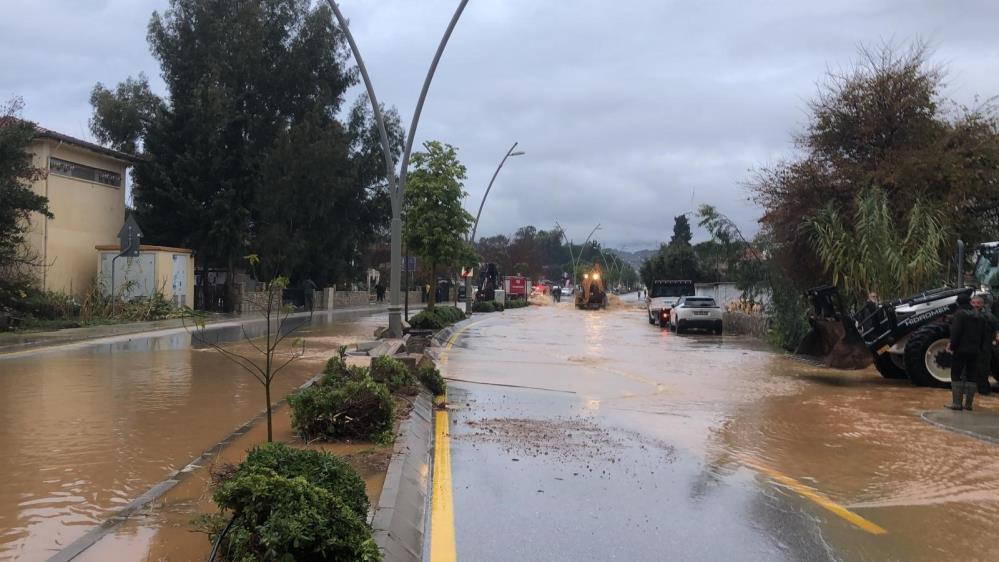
(909, 337)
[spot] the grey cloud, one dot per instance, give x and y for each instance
(623, 108)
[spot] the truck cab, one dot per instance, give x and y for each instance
(663, 295)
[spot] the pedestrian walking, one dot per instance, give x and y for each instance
(970, 334)
(379, 292)
(309, 294)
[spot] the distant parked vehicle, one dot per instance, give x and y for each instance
(696, 313)
(662, 296)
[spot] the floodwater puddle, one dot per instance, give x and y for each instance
(85, 430)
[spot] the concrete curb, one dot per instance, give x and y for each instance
(929, 415)
(152, 329)
(81, 544)
(441, 337)
(399, 521)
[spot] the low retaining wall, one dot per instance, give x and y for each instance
(747, 324)
(350, 299)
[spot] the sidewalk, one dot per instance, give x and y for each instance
(15, 342)
(980, 425)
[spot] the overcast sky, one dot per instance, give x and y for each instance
(630, 112)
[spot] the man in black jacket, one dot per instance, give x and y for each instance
(970, 333)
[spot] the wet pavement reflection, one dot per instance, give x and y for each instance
(648, 445)
(86, 428)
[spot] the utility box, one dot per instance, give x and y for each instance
(157, 269)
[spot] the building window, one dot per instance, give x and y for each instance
(74, 170)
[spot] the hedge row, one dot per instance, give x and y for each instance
(436, 319)
(291, 504)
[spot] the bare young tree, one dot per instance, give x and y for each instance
(268, 360)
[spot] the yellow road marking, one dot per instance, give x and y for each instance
(819, 498)
(442, 542)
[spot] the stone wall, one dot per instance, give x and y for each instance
(255, 302)
(747, 324)
(350, 299)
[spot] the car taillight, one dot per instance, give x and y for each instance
(665, 313)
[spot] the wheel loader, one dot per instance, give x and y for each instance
(591, 293)
(908, 337)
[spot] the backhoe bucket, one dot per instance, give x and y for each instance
(834, 337)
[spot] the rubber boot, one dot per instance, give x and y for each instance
(956, 391)
(969, 394)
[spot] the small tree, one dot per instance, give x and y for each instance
(268, 361)
(436, 222)
(17, 200)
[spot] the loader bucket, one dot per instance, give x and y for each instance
(834, 338)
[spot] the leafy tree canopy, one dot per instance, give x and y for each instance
(882, 129)
(17, 201)
(435, 221)
(246, 152)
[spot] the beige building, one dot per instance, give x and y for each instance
(85, 186)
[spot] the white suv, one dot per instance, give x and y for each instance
(693, 313)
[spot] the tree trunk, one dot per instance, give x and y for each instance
(230, 286)
(432, 297)
(204, 285)
(270, 428)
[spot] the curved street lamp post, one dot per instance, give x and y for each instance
(575, 259)
(475, 226)
(396, 188)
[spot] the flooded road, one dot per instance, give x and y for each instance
(612, 439)
(86, 428)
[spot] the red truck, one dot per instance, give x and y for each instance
(515, 286)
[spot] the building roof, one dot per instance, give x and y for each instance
(42, 132)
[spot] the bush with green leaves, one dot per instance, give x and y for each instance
(361, 409)
(517, 303)
(392, 373)
(336, 364)
(342, 376)
(281, 518)
(484, 306)
(432, 379)
(318, 467)
(426, 320)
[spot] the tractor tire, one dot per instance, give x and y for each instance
(887, 367)
(927, 361)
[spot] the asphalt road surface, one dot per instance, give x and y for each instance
(591, 435)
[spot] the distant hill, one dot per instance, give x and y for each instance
(634, 259)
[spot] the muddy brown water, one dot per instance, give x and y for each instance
(86, 428)
(852, 436)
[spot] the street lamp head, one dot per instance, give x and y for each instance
(518, 153)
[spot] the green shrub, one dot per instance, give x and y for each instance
(318, 467)
(517, 303)
(432, 379)
(426, 320)
(335, 365)
(392, 373)
(280, 518)
(440, 317)
(451, 313)
(343, 376)
(483, 306)
(355, 409)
